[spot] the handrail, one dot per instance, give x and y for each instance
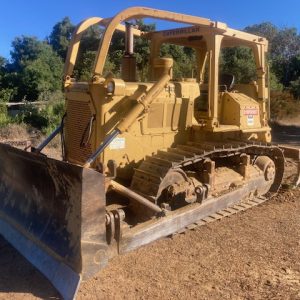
(112, 24)
(77, 36)
(136, 13)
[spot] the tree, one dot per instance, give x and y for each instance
(294, 67)
(285, 47)
(265, 29)
(90, 43)
(284, 51)
(238, 61)
(44, 74)
(142, 49)
(60, 37)
(295, 88)
(3, 63)
(25, 48)
(35, 68)
(87, 53)
(184, 59)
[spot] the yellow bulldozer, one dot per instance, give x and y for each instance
(141, 160)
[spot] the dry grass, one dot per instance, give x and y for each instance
(284, 108)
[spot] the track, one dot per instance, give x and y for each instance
(242, 206)
(151, 178)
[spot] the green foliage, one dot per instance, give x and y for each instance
(4, 118)
(89, 46)
(238, 61)
(284, 56)
(285, 48)
(60, 37)
(25, 49)
(275, 85)
(295, 88)
(35, 68)
(6, 90)
(6, 94)
(87, 53)
(42, 74)
(265, 29)
(142, 50)
(3, 63)
(184, 60)
(45, 118)
(294, 67)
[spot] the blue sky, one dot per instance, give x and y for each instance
(37, 17)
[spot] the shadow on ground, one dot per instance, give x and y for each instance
(286, 134)
(19, 277)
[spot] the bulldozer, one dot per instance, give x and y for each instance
(142, 160)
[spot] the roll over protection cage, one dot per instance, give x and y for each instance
(113, 24)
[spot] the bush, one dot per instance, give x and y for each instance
(295, 88)
(283, 105)
(6, 94)
(4, 118)
(45, 119)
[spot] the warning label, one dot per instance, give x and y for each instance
(117, 143)
(250, 120)
(250, 112)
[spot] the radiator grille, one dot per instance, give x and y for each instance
(77, 121)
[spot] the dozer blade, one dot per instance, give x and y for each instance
(53, 213)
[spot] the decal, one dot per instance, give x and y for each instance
(117, 144)
(250, 111)
(181, 31)
(250, 120)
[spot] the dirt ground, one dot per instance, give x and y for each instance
(252, 255)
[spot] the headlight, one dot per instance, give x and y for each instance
(110, 87)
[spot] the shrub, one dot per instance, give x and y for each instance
(295, 88)
(4, 118)
(46, 117)
(283, 105)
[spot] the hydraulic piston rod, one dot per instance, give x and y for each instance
(141, 106)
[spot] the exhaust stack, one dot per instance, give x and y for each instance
(128, 69)
(129, 39)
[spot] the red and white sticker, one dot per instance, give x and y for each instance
(250, 112)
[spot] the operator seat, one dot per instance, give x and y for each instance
(226, 82)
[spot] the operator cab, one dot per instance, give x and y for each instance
(222, 101)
